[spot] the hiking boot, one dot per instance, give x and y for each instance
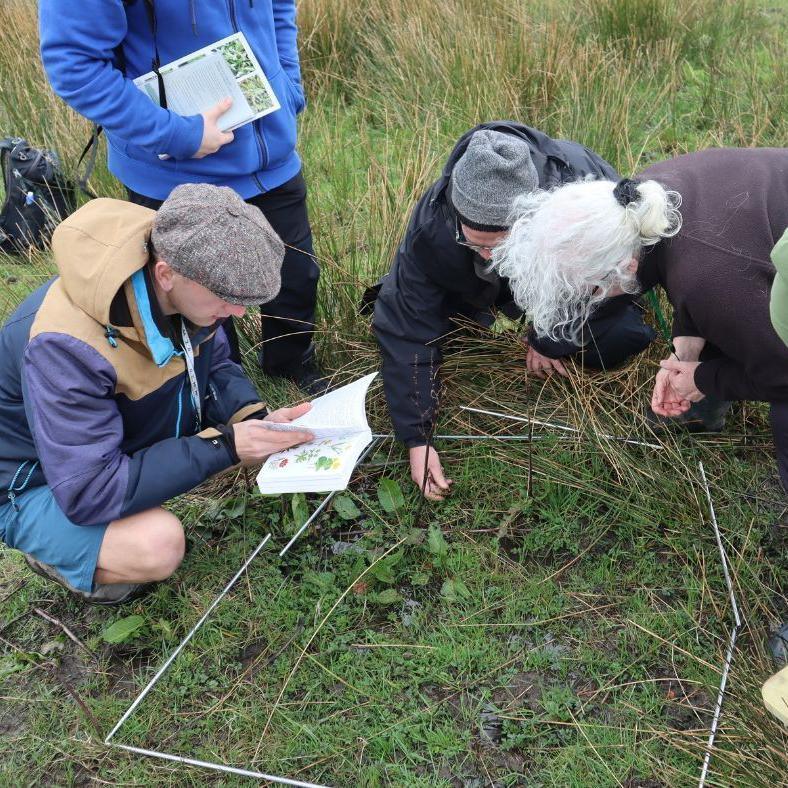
(778, 645)
(307, 376)
(106, 594)
(708, 415)
(311, 379)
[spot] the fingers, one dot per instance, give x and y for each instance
(672, 365)
(215, 112)
(283, 415)
(658, 395)
(297, 410)
(435, 472)
(435, 486)
(533, 366)
(559, 367)
(281, 438)
(293, 438)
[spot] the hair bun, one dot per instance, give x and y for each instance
(626, 191)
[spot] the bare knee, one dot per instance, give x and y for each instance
(162, 545)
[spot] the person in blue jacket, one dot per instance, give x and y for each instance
(117, 392)
(92, 51)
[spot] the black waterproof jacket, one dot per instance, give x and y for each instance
(433, 279)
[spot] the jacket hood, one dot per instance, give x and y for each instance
(98, 248)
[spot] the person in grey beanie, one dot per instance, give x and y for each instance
(441, 272)
(117, 391)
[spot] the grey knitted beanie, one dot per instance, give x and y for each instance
(494, 169)
(211, 236)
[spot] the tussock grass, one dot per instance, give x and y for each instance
(595, 619)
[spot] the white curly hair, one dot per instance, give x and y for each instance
(568, 248)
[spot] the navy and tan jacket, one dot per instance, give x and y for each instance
(94, 397)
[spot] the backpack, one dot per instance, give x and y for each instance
(37, 195)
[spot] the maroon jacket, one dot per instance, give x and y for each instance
(717, 272)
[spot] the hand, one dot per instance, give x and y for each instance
(284, 415)
(437, 486)
(212, 137)
(683, 380)
(666, 401)
(542, 366)
(254, 441)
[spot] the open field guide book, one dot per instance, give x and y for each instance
(338, 421)
(198, 81)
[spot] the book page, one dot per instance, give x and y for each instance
(198, 81)
(318, 466)
(199, 85)
(340, 412)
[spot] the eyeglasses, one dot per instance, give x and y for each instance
(460, 239)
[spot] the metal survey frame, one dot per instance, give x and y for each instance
(734, 632)
(302, 784)
(149, 686)
(162, 670)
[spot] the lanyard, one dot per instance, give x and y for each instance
(188, 356)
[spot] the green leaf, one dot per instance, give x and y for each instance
(388, 597)
(454, 590)
(415, 536)
(233, 508)
(123, 629)
(322, 582)
(345, 507)
(164, 627)
(436, 544)
(383, 570)
(419, 578)
(390, 495)
(300, 509)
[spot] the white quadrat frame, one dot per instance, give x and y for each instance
(378, 438)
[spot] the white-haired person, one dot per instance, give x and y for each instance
(700, 225)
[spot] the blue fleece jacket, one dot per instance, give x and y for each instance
(78, 48)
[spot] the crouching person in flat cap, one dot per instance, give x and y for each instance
(442, 271)
(116, 388)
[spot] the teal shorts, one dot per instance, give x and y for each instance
(37, 526)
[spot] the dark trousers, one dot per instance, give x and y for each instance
(611, 338)
(288, 322)
(778, 416)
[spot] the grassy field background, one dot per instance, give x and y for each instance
(562, 619)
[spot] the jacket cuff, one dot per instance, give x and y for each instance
(227, 437)
(254, 410)
(705, 378)
(186, 137)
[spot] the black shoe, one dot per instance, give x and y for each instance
(307, 376)
(312, 380)
(708, 415)
(107, 594)
(778, 645)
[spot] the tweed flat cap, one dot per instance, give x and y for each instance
(211, 236)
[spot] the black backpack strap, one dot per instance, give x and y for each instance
(92, 148)
(151, 10)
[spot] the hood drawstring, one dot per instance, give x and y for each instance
(193, 9)
(12, 490)
(111, 333)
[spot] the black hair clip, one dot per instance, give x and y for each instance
(626, 191)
